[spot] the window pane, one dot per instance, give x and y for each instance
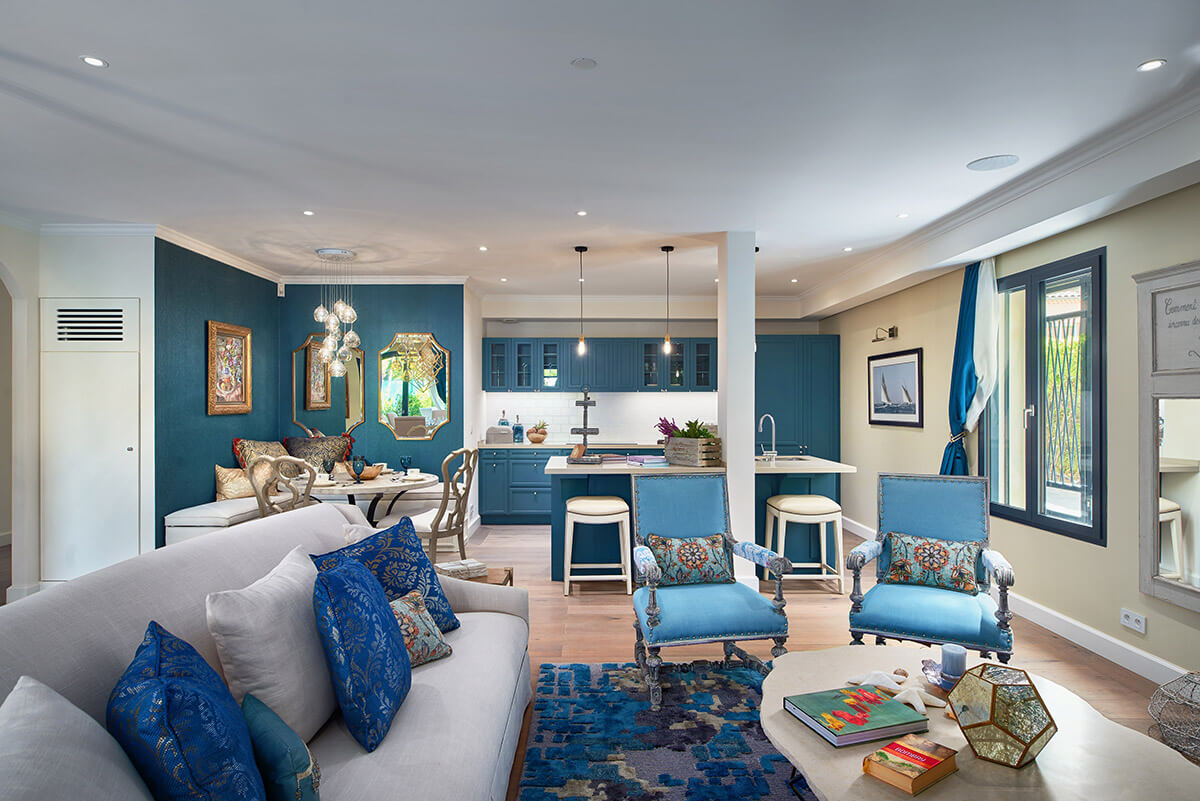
(1006, 429)
(1065, 399)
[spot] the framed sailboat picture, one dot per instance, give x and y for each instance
(895, 389)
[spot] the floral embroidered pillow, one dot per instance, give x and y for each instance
(691, 560)
(932, 562)
(422, 637)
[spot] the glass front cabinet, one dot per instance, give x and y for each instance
(610, 364)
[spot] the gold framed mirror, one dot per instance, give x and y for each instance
(414, 386)
(323, 403)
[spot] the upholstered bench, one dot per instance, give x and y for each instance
(208, 517)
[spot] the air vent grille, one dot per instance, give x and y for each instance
(90, 325)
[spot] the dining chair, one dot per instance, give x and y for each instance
(449, 519)
(270, 474)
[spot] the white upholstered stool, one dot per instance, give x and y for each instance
(594, 510)
(1170, 513)
(784, 509)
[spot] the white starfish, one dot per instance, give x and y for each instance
(884, 681)
(917, 698)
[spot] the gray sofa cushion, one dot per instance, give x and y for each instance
(267, 638)
(447, 738)
(50, 750)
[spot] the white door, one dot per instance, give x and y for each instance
(90, 493)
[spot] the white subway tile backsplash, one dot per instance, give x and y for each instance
(620, 416)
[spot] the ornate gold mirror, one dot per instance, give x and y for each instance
(414, 386)
(323, 403)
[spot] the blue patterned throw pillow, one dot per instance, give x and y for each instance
(180, 726)
(691, 560)
(932, 562)
(397, 559)
(288, 769)
(364, 647)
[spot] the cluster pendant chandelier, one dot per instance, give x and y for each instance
(666, 347)
(581, 348)
(336, 309)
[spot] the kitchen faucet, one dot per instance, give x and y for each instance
(771, 454)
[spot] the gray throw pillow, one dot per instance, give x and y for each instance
(50, 749)
(267, 640)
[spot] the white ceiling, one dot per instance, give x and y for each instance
(419, 131)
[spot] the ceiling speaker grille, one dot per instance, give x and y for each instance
(90, 325)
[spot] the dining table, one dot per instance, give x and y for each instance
(390, 486)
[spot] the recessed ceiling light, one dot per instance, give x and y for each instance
(583, 63)
(308, 213)
(93, 61)
(902, 215)
(1152, 65)
(847, 250)
(581, 280)
(581, 213)
(993, 162)
(716, 280)
(483, 247)
(794, 280)
(504, 280)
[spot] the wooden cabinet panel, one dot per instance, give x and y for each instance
(493, 486)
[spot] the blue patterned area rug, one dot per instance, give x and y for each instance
(594, 738)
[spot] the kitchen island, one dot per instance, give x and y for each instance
(788, 474)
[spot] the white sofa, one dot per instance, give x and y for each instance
(454, 737)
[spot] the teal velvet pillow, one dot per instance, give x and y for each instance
(691, 560)
(179, 725)
(932, 562)
(288, 769)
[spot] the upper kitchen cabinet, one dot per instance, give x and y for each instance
(702, 365)
(525, 361)
(497, 365)
(610, 364)
(796, 381)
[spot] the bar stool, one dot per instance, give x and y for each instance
(1170, 513)
(595, 510)
(784, 509)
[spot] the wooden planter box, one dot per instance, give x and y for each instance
(693, 452)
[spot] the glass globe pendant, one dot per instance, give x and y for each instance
(351, 340)
(320, 313)
(333, 324)
(344, 354)
(337, 369)
(347, 314)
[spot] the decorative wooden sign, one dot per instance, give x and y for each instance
(1177, 328)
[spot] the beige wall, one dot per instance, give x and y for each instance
(6, 397)
(1085, 582)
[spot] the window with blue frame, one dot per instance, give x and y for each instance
(1042, 442)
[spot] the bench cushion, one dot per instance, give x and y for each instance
(215, 514)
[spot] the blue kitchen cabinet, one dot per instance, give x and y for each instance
(608, 365)
(493, 482)
(525, 364)
(573, 365)
(514, 487)
(702, 365)
(673, 371)
(611, 364)
(649, 375)
(497, 365)
(550, 364)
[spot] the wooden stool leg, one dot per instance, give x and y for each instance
(767, 533)
(626, 558)
(822, 528)
(840, 563)
(567, 541)
(781, 524)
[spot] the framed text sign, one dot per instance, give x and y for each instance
(1177, 328)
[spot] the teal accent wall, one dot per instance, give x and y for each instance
(383, 311)
(190, 290)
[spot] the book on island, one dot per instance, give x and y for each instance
(852, 715)
(911, 763)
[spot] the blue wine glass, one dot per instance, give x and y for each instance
(405, 463)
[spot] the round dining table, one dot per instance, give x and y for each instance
(391, 486)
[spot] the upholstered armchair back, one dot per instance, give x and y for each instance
(681, 506)
(951, 508)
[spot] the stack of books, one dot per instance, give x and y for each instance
(853, 715)
(608, 458)
(652, 460)
(462, 569)
(911, 763)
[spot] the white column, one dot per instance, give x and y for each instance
(735, 383)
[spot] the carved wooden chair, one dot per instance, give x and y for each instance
(689, 614)
(449, 519)
(951, 508)
(281, 483)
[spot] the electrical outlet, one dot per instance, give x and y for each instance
(1132, 620)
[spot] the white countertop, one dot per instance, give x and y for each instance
(593, 445)
(1170, 464)
(808, 465)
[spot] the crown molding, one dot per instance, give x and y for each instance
(366, 280)
(20, 223)
(97, 229)
(600, 298)
(215, 253)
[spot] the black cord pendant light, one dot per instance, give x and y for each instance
(581, 348)
(666, 347)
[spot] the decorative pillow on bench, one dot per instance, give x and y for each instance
(691, 560)
(180, 726)
(932, 562)
(246, 450)
(319, 450)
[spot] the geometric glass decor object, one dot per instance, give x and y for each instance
(1001, 714)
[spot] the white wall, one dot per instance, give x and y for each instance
(620, 416)
(6, 398)
(473, 417)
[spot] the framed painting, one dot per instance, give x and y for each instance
(316, 372)
(895, 389)
(229, 383)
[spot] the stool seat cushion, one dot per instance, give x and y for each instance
(1165, 506)
(597, 505)
(704, 612)
(805, 504)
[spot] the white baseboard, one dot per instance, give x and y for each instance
(1118, 652)
(17, 592)
(473, 524)
(5, 538)
(1128, 656)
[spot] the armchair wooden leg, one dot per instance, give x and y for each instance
(653, 663)
(856, 638)
(779, 649)
(729, 651)
(639, 647)
(880, 640)
(1004, 658)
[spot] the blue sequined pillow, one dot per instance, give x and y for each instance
(931, 562)
(691, 560)
(364, 648)
(397, 559)
(180, 726)
(288, 769)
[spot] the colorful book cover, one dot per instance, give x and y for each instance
(911, 763)
(854, 710)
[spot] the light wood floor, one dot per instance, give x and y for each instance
(595, 625)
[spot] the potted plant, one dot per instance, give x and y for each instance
(537, 434)
(691, 446)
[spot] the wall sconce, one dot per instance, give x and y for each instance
(884, 334)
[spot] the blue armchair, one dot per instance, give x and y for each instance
(690, 614)
(953, 508)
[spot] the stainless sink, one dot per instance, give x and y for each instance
(789, 458)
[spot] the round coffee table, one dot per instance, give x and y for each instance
(1090, 758)
(390, 486)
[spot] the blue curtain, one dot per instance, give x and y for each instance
(963, 380)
